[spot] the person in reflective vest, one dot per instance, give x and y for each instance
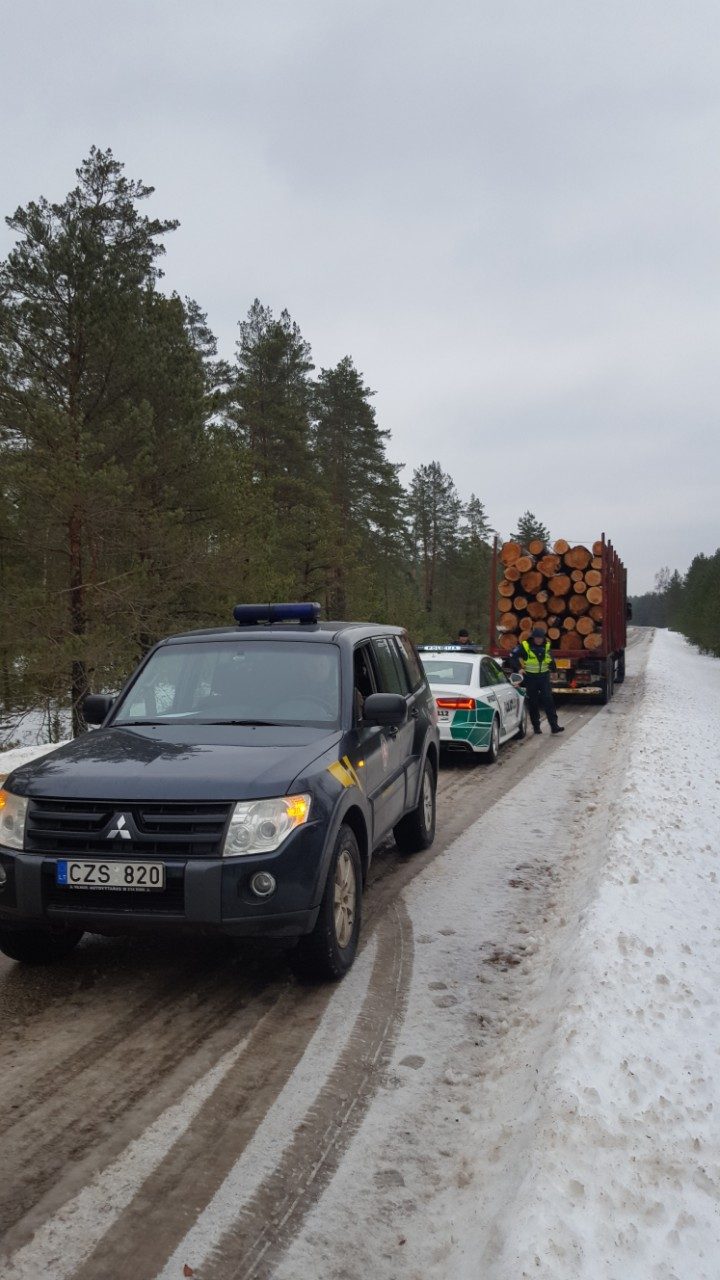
(536, 661)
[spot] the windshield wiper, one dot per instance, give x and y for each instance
(122, 724)
(267, 723)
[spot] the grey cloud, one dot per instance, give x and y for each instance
(506, 213)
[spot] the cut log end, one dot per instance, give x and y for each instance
(560, 585)
(531, 581)
(577, 558)
(510, 552)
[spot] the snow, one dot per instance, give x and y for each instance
(10, 760)
(551, 1107)
(32, 726)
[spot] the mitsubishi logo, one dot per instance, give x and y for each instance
(120, 830)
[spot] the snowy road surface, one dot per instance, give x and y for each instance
(516, 1078)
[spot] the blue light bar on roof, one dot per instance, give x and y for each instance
(450, 648)
(252, 615)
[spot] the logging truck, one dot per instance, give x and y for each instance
(577, 595)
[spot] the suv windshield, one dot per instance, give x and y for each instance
(252, 682)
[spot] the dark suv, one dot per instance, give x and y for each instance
(239, 783)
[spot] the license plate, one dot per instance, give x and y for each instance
(563, 664)
(109, 875)
(443, 715)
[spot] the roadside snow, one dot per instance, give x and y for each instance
(551, 1108)
(33, 727)
(10, 760)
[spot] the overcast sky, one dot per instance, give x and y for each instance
(507, 213)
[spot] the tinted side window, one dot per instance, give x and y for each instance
(388, 667)
(497, 673)
(404, 678)
(363, 681)
(486, 675)
(416, 675)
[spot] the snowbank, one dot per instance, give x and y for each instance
(10, 760)
(623, 1178)
(550, 1110)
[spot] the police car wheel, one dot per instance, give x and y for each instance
(38, 946)
(416, 831)
(492, 752)
(522, 727)
(329, 950)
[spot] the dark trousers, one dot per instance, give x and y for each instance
(538, 691)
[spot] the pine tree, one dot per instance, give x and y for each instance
(529, 527)
(364, 492)
(279, 511)
(434, 509)
(98, 383)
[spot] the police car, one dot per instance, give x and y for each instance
(238, 784)
(479, 707)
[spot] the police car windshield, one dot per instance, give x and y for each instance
(253, 682)
(445, 671)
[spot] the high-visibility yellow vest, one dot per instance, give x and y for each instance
(532, 664)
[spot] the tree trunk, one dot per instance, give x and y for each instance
(78, 622)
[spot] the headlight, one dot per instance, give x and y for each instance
(12, 819)
(259, 826)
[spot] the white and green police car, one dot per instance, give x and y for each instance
(478, 706)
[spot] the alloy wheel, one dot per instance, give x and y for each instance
(344, 898)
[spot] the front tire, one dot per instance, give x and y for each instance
(416, 831)
(329, 951)
(38, 946)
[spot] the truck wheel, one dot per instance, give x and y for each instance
(607, 684)
(328, 952)
(38, 946)
(620, 668)
(416, 831)
(493, 750)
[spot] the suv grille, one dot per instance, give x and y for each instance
(155, 829)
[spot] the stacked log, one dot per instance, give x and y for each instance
(558, 589)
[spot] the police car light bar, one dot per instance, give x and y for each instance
(450, 648)
(249, 615)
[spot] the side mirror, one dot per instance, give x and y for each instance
(628, 611)
(386, 709)
(96, 707)
(515, 679)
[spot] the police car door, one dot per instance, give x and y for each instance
(508, 700)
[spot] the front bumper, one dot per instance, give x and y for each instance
(206, 895)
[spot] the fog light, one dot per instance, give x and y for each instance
(3, 877)
(263, 884)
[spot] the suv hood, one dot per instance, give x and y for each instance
(175, 762)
